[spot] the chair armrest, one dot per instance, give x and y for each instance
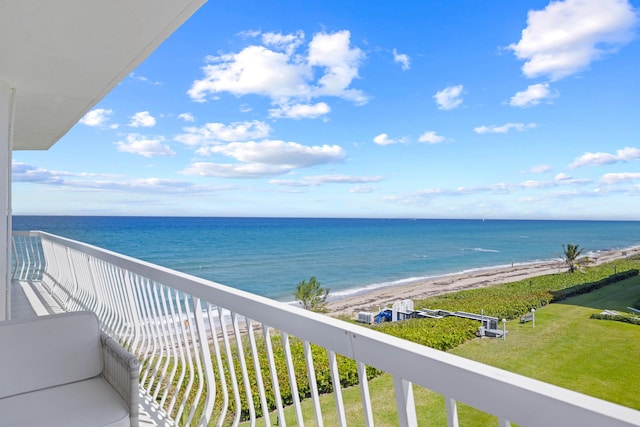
(122, 371)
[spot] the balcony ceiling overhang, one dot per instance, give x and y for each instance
(62, 57)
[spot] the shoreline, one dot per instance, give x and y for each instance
(374, 300)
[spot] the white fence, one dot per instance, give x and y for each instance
(214, 355)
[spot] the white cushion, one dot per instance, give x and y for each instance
(90, 402)
(47, 351)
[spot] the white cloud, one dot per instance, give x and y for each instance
(265, 158)
(217, 133)
(597, 159)
(187, 117)
(254, 70)
(144, 79)
(562, 177)
(531, 96)
(313, 181)
(340, 64)
(504, 128)
(402, 59)
(238, 170)
(249, 33)
(138, 144)
(567, 36)
(327, 68)
(431, 137)
(23, 172)
(300, 111)
(540, 169)
(534, 184)
(362, 189)
(502, 188)
(283, 42)
(142, 119)
(383, 139)
(97, 117)
(615, 178)
(449, 97)
(276, 152)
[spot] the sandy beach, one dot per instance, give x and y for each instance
(383, 297)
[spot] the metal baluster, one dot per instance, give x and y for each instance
(230, 364)
(313, 385)
(243, 369)
(405, 402)
(452, 412)
(258, 370)
(293, 384)
(364, 394)
(337, 388)
(274, 375)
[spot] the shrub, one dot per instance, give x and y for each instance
(441, 334)
(618, 318)
(311, 296)
(592, 286)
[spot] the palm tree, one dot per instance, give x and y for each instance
(572, 257)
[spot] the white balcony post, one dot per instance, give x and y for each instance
(405, 402)
(6, 137)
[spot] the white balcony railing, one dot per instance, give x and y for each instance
(204, 346)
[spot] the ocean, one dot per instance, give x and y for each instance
(270, 256)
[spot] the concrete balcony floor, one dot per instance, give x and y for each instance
(28, 299)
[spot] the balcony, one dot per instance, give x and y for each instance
(209, 352)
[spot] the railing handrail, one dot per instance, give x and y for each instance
(504, 394)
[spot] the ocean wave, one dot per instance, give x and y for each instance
(352, 292)
(480, 250)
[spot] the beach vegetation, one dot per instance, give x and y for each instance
(311, 295)
(620, 317)
(560, 333)
(442, 334)
(512, 300)
(585, 288)
(559, 350)
(572, 256)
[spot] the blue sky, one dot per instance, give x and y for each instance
(418, 109)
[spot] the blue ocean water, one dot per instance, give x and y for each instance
(269, 256)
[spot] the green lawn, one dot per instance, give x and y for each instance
(566, 348)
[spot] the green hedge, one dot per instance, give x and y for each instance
(511, 300)
(441, 334)
(573, 291)
(618, 318)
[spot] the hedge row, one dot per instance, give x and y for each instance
(618, 318)
(511, 300)
(573, 291)
(442, 334)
